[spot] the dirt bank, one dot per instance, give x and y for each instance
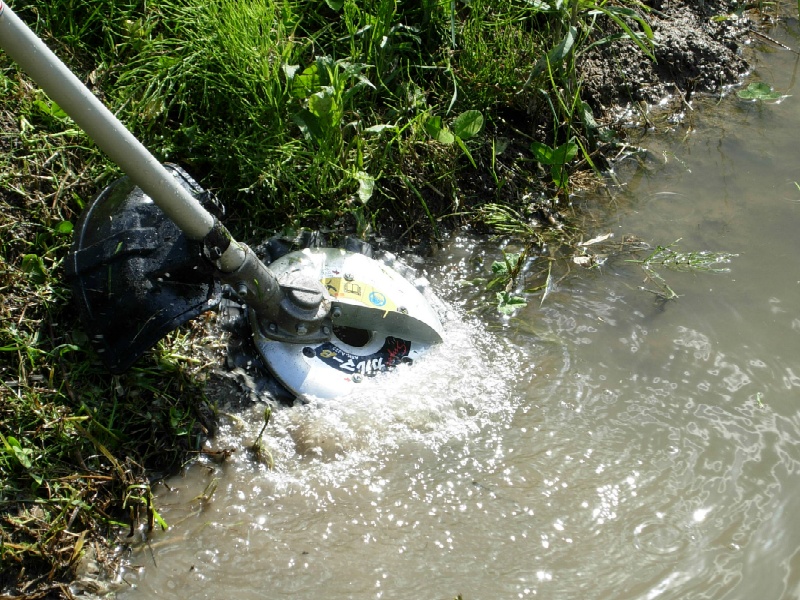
(696, 51)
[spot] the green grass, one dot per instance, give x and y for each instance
(667, 257)
(392, 118)
(287, 108)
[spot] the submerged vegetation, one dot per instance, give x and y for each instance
(667, 257)
(377, 118)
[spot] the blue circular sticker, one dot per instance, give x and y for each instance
(377, 298)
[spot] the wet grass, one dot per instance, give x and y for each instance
(672, 259)
(379, 118)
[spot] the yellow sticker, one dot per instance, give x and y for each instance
(339, 287)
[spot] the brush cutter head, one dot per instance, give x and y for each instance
(380, 320)
(135, 275)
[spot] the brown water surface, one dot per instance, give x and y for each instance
(602, 445)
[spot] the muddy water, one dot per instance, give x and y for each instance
(600, 445)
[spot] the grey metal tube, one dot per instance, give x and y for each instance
(61, 85)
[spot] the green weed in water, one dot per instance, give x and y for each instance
(668, 258)
(259, 447)
(508, 304)
(759, 91)
(505, 274)
(508, 221)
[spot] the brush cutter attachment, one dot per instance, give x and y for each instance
(380, 320)
(135, 275)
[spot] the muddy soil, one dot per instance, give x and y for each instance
(696, 51)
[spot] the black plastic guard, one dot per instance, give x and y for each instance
(135, 275)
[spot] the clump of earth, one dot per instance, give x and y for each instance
(697, 50)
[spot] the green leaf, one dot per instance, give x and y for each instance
(309, 125)
(335, 4)
(565, 153)
(438, 131)
(33, 267)
(465, 150)
(63, 228)
(306, 83)
(557, 55)
(508, 304)
(509, 263)
(758, 91)
(366, 185)
(500, 267)
(321, 103)
(619, 14)
(22, 457)
(290, 71)
(587, 116)
(559, 175)
(548, 155)
(159, 520)
(541, 6)
(354, 70)
(468, 124)
(22, 454)
(379, 128)
(66, 349)
(542, 153)
(51, 109)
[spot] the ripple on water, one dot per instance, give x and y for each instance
(687, 462)
(660, 538)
